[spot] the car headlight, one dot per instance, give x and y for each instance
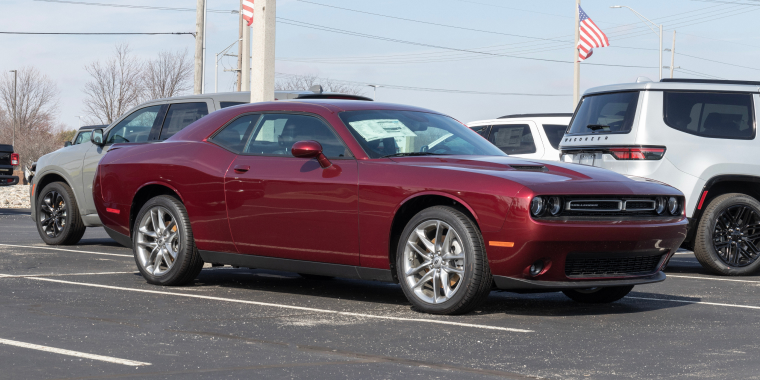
(673, 207)
(554, 205)
(660, 204)
(537, 206)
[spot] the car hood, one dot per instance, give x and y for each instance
(545, 177)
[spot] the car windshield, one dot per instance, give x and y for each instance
(386, 133)
(605, 113)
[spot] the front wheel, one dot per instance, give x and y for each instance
(163, 244)
(598, 295)
(441, 262)
(58, 220)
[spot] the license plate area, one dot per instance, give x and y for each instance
(587, 158)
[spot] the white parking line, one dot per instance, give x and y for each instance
(358, 315)
(698, 302)
(66, 250)
(72, 353)
(61, 274)
(711, 278)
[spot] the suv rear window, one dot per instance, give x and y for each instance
(718, 115)
(554, 133)
(605, 113)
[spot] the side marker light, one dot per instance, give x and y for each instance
(508, 244)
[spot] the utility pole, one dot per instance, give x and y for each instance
(15, 78)
(374, 91)
(203, 77)
(200, 27)
(673, 54)
(576, 62)
(245, 73)
(240, 49)
(661, 52)
(263, 37)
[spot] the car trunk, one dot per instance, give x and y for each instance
(5, 159)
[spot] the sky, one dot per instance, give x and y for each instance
(498, 56)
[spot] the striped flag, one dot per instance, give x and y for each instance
(248, 11)
(590, 36)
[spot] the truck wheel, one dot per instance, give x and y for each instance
(163, 244)
(58, 220)
(441, 262)
(598, 295)
(728, 237)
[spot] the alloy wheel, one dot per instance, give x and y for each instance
(53, 213)
(434, 261)
(158, 241)
(736, 236)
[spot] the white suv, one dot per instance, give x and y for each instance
(535, 136)
(699, 136)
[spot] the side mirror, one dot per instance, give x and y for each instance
(310, 149)
(67, 143)
(97, 137)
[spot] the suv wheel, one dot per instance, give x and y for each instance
(728, 236)
(163, 243)
(441, 262)
(58, 220)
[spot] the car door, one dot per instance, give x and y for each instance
(288, 207)
(138, 126)
(519, 139)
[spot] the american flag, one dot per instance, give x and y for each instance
(590, 36)
(248, 11)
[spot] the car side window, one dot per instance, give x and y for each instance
(481, 130)
(82, 137)
(554, 133)
(275, 135)
(180, 115)
(721, 115)
(513, 138)
(230, 104)
(135, 127)
(236, 134)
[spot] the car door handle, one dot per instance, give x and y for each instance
(241, 168)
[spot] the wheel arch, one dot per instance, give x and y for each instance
(717, 186)
(413, 204)
(146, 192)
(49, 177)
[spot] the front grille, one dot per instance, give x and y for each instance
(606, 206)
(604, 265)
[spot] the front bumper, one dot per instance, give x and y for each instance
(518, 284)
(8, 180)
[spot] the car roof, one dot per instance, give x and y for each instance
(527, 115)
(245, 96)
(644, 84)
(561, 118)
(339, 105)
(91, 127)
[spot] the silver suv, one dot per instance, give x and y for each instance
(61, 193)
(699, 136)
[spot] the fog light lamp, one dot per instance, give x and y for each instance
(536, 268)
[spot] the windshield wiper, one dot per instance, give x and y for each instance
(595, 127)
(411, 154)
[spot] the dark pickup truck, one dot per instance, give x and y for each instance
(8, 160)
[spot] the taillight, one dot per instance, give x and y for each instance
(637, 153)
(14, 159)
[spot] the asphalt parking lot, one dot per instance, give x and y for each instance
(83, 312)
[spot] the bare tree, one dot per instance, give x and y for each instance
(305, 82)
(170, 74)
(36, 98)
(116, 86)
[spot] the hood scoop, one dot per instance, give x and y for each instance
(530, 168)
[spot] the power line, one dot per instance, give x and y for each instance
(723, 63)
(137, 6)
(97, 33)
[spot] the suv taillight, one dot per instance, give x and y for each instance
(637, 153)
(14, 159)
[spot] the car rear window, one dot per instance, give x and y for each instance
(717, 115)
(554, 133)
(605, 113)
(513, 138)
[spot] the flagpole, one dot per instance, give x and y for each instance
(576, 63)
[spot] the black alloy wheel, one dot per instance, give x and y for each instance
(58, 219)
(728, 236)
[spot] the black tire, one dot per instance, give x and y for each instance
(188, 263)
(58, 221)
(477, 279)
(705, 239)
(598, 295)
(315, 277)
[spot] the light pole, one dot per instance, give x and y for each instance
(657, 29)
(216, 64)
(15, 78)
(374, 91)
(80, 122)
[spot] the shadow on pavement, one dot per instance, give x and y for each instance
(15, 211)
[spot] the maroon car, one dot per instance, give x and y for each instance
(382, 192)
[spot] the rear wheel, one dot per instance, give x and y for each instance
(163, 243)
(441, 262)
(728, 236)
(58, 220)
(598, 295)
